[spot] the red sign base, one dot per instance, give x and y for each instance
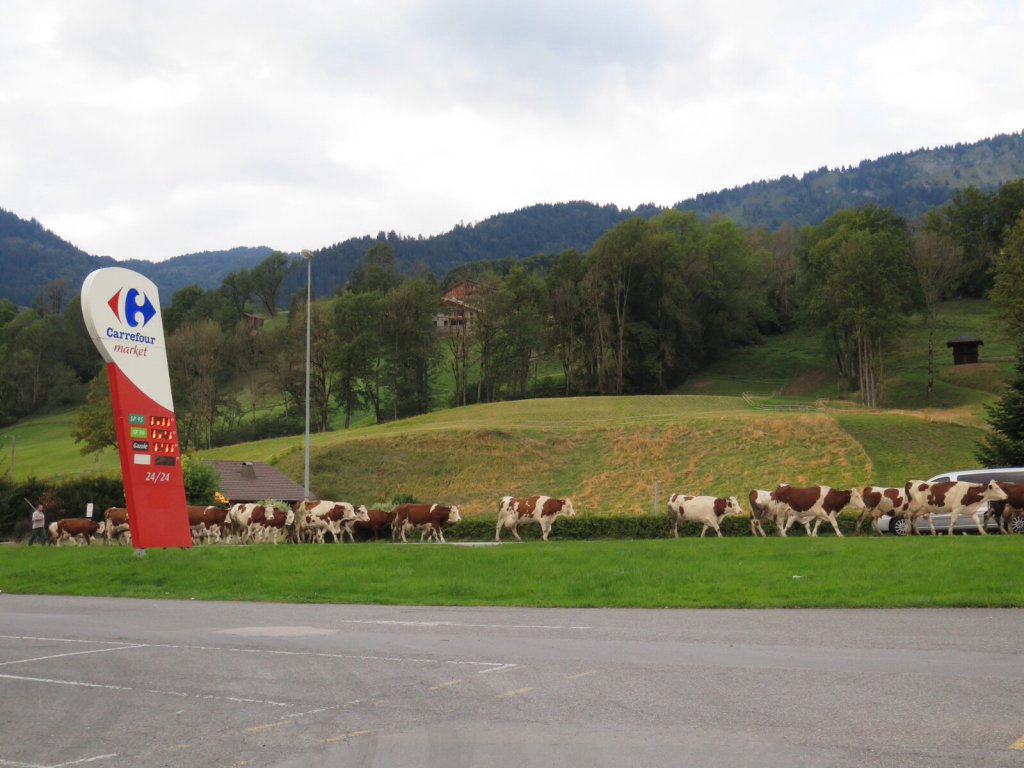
(154, 486)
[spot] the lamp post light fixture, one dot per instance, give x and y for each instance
(308, 256)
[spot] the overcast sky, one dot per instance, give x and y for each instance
(152, 129)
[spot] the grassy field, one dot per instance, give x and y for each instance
(863, 572)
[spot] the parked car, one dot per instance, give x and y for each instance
(898, 525)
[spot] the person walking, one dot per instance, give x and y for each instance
(38, 526)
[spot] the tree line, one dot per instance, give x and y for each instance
(652, 302)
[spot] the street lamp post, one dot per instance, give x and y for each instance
(308, 256)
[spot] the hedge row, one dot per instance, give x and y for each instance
(624, 527)
(66, 499)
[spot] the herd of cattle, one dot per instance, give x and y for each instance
(314, 521)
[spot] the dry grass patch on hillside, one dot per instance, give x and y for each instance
(606, 470)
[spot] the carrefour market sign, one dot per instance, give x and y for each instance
(122, 314)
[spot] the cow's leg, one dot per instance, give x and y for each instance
(545, 529)
(835, 525)
(515, 531)
(497, 529)
(675, 527)
(861, 518)
(438, 533)
(977, 522)
(785, 526)
(952, 520)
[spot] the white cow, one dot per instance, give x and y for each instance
(315, 519)
(539, 509)
(700, 509)
(956, 499)
(258, 522)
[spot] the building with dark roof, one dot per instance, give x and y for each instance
(249, 481)
(965, 349)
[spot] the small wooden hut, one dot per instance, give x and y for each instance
(965, 349)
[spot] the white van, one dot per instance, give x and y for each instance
(898, 525)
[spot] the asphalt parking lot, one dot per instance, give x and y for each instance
(116, 682)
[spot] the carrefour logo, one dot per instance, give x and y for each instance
(134, 309)
(131, 307)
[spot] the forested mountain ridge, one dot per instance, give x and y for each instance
(910, 183)
(32, 256)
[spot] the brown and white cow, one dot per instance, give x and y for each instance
(430, 517)
(116, 525)
(73, 528)
(376, 521)
(764, 509)
(257, 522)
(1004, 510)
(880, 500)
(208, 524)
(954, 498)
(761, 510)
(536, 509)
(315, 519)
(707, 510)
(817, 503)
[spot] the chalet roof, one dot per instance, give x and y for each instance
(246, 481)
(965, 339)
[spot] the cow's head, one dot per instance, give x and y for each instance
(568, 509)
(856, 498)
(732, 507)
(993, 492)
(362, 514)
(453, 514)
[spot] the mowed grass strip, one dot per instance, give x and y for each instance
(963, 571)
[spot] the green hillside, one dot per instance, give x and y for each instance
(768, 414)
(606, 453)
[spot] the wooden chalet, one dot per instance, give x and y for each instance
(457, 307)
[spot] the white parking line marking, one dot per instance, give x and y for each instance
(491, 666)
(83, 761)
(73, 653)
(56, 639)
(106, 687)
(500, 668)
(456, 624)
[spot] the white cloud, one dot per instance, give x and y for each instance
(149, 130)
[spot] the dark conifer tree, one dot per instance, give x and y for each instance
(1004, 446)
